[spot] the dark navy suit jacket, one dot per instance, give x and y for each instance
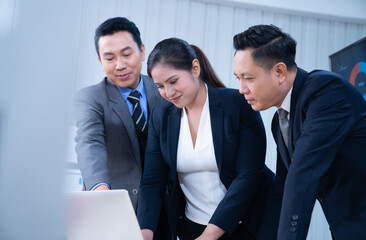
(240, 146)
(325, 160)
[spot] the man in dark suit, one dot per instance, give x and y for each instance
(111, 120)
(320, 132)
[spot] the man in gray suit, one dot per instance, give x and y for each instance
(111, 116)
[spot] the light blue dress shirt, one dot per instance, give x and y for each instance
(143, 99)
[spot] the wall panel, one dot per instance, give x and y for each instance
(196, 23)
(88, 68)
(136, 11)
(309, 46)
(210, 34)
(323, 40)
(351, 32)
(224, 45)
(182, 11)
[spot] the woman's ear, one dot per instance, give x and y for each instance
(196, 69)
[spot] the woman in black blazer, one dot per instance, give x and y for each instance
(206, 147)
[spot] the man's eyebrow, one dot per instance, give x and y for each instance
(107, 53)
(126, 48)
(241, 74)
(123, 49)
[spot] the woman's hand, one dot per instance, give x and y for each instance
(147, 234)
(212, 232)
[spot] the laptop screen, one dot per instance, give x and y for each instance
(90, 215)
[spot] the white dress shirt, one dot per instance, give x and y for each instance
(286, 104)
(197, 169)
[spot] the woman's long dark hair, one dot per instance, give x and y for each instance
(178, 54)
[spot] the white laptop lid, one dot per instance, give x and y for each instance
(99, 215)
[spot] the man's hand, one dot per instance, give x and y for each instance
(101, 187)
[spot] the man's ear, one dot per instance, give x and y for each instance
(280, 71)
(142, 52)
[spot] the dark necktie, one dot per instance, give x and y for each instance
(137, 113)
(284, 125)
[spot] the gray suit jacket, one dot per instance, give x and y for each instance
(107, 146)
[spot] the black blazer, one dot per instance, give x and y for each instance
(240, 146)
(326, 160)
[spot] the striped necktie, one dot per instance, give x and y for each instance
(137, 113)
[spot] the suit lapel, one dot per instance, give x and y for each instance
(217, 116)
(120, 108)
(173, 135)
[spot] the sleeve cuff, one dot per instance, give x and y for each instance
(99, 184)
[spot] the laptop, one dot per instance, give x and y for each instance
(99, 215)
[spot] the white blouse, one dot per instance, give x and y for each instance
(197, 169)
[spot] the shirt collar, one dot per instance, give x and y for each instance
(125, 92)
(286, 104)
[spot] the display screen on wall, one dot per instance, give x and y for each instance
(350, 62)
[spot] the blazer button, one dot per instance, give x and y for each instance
(135, 191)
(292, 229)
(295, 217)
(293, 223)
(320, 199)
